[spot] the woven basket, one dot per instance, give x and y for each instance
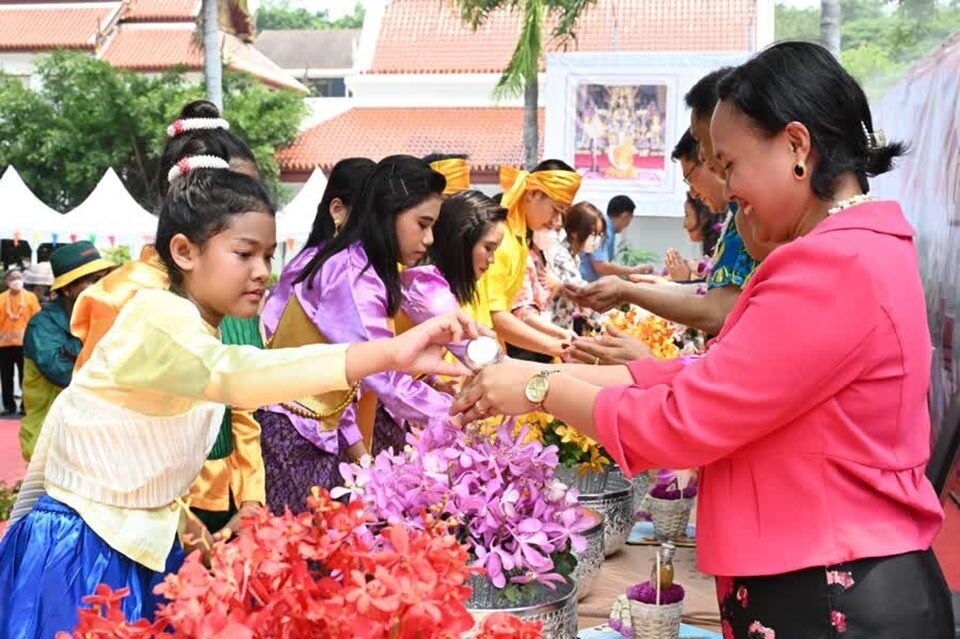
(670, 516)
(650, 621)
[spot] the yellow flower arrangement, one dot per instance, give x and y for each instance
(656, 333)
(596, 459)
(536, 423)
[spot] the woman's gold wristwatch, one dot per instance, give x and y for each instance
(537, 388)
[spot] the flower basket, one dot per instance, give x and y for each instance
(669, 509)
(670, 516)
(584, 478)
(556, 609)
(650, 621)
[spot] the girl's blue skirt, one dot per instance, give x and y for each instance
(50, 560)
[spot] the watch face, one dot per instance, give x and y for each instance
(536, 389)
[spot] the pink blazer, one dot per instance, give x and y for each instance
(808, 414)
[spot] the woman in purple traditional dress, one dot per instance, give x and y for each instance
(349, 288)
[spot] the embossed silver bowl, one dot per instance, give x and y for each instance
(584, 480)
(616, 506)
(641, 486)
(590, 560)
(555, 609)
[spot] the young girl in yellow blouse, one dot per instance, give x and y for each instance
(125, 440)
(466, 236)
(232, 481)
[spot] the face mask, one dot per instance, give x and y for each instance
(15, 285)
(590, 245)
(545, 240)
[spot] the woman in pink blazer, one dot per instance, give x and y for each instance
(808, 413)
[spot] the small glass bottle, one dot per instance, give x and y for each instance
(665, 575)
(482, 352)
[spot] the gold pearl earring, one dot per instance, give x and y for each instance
(799, 170)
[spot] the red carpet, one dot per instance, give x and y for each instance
(12, 465)
(584, 160)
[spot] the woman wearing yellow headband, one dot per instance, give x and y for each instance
(454, 167)
(534, 201)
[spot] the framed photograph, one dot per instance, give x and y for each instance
(620, 132)
(615, 117)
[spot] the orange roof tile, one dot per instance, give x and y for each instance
(489, 136)
(428, 36)
(162, 10)
(155, 48)
(48, 26)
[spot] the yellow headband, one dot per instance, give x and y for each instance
(559, 186)
(457, 172)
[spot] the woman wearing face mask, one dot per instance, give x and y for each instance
(583, 225)
(17, 306)
(532, 303)
(814, 513)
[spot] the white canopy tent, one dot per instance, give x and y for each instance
(24, 217)
(295, 221)
(111, 216)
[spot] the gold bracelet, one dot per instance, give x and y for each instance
(339, 408)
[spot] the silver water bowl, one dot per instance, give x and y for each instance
(555, 609)
(616, 506)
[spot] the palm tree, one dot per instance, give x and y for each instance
(212, 63)
(521, 74)
(830, 26)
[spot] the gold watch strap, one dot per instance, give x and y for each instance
(545, 374)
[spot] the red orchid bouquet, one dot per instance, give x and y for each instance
(320, 573)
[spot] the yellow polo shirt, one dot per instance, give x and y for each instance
(504, 278)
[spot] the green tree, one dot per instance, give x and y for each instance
(520, 76)
(278, 14)
(350, 20)
(88, 116)
(881, 38)
(791, 23)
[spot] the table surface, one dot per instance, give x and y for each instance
(633, 564)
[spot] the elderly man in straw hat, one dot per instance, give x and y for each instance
(49, 350)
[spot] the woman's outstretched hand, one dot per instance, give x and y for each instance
(496, 390)
(602, 295)
(615, 347)
(420, 350)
